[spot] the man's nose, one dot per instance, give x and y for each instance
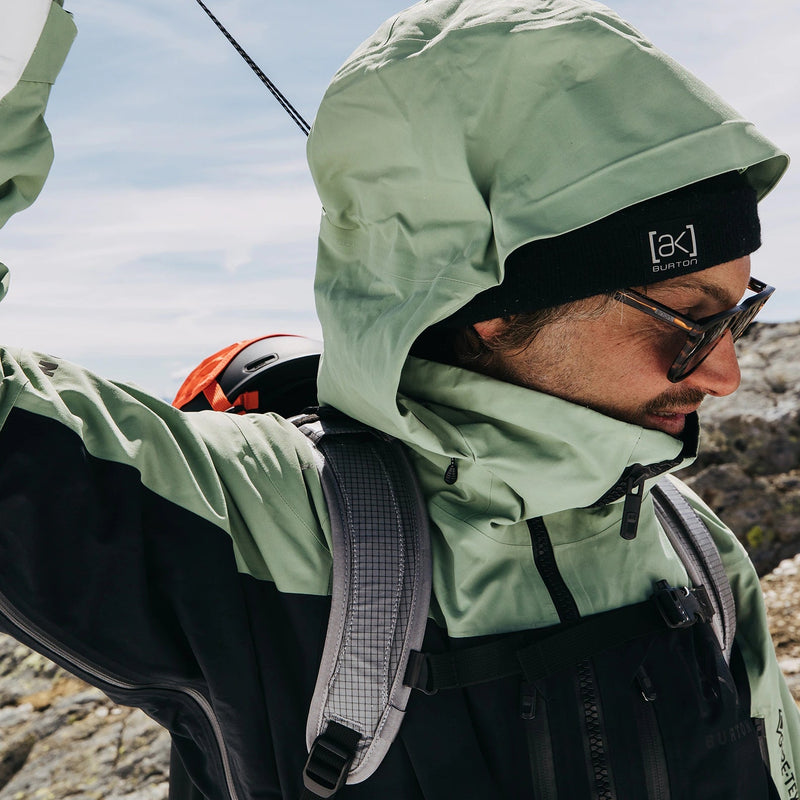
(719, 374)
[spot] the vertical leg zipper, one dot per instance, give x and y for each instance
(654, 762)
(533, 710)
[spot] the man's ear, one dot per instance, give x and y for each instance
(490, 328)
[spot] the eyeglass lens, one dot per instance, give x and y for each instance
(737, 324)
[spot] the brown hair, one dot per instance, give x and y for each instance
(463, 347)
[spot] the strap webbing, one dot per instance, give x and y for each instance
(514, 655)
(695, 546)
(583, 640)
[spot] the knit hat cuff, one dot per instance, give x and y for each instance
(691, 229)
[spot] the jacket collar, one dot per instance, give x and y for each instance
(521, 453)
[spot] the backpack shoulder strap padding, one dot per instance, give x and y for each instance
(693, 543)
(379, 599)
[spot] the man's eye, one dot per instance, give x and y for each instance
(702, 311)
(696, 311)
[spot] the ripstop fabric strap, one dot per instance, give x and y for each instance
(693, 543)
(379, 600)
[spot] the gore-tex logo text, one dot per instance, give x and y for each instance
(787, 773)
(669, 251)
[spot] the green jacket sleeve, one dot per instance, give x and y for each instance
(26, 74)
(252, 477)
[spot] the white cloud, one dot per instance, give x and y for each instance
(105, 229)
(165, 273)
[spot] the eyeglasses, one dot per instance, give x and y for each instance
(702, 335)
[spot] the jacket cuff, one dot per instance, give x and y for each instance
(21, 25)
(52, 46)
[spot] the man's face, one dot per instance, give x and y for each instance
(615, 361)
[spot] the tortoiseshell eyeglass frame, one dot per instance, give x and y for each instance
(702, 335)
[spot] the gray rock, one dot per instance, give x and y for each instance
(31, 672)
(61, 738)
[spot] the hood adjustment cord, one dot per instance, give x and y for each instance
(451, 473)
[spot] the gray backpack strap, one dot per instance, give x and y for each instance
(693, 543)
(379, 601)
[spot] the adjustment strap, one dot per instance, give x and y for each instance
(514, 655)
(694, 544)
(329, 761)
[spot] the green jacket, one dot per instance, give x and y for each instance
(457, 133)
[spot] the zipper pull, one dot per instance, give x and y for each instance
(527, 701)
(451, 474)
(646, 686)
(634, 491)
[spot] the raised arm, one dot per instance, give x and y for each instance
(35, 36)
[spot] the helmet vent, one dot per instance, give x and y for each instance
(256, 365)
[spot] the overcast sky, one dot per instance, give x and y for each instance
(180, 215)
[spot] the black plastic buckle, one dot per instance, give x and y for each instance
(418, 674)
(682, 607)
(327, 766)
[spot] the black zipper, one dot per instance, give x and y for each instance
(95, 675)
(634, 491)
(631, 483)
(654, 762)
(598, 764)
(533, 710)
(545, 560)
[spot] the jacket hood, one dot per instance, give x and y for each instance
(462, 130)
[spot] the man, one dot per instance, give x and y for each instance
(558, 220)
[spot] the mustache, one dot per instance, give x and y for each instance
(674, 398)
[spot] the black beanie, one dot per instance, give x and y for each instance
(687, 230)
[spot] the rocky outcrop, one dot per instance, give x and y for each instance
(782, 595)
(60, 738)
(748, 470)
